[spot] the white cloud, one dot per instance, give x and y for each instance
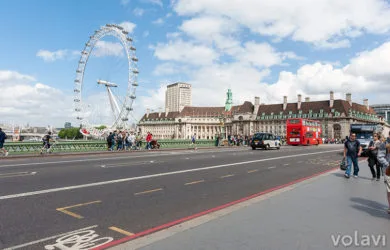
(51, 56)
(145, 33)
(186, 52)
(365, 76)
(324, 23)
(128, 26)
(23, 100)
(156, 2)
(125, 2)
(104, 48)
(138, 11)
(170, 69)
(374, 64)
(263, 55)
(207, 28)
(159, 21)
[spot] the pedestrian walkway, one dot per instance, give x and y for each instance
(314, 214)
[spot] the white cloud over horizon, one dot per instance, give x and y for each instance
(300, 20)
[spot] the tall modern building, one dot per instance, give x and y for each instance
(382, 110)
(177, 96)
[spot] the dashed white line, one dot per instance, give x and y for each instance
(17, 174)
(272, 167)
(94, 184)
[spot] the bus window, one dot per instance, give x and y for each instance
(309, 135)
(294, 121)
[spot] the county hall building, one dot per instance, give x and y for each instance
(335, 116)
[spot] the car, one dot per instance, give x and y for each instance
(265, 141)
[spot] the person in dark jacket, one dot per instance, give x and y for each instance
(373, 157)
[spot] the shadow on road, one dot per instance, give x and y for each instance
(371, 207)
(341, 174)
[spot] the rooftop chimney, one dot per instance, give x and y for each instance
(348, 98)
(159, 112)
(365, 102)
(257, 100)
(166, 112)
(284, 102)
(307, 99)
(257, 105)
(331, 99)
(147, 112)
(299, 101)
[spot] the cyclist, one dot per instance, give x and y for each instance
(46, 142)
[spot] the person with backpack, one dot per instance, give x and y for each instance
(373, 157)
(3, 136)
(352, 150)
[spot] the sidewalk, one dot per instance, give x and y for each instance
(302, 216)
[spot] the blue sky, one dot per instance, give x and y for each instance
(257, 48)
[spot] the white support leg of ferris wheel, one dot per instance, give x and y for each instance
(113, 103)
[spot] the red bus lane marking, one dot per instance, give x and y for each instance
(175, 222)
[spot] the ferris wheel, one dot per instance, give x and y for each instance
(120, 111)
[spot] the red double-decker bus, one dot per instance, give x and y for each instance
(303, 132)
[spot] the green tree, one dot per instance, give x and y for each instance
(70, 133)
(101, 127)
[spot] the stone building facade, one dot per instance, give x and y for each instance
(335, 115)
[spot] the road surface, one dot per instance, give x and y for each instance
(49, 202)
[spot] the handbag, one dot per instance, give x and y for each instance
(343, 165)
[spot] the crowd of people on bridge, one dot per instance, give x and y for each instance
(378, 158)
(125, 141)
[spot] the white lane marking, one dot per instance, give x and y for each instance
(129, 164)
(286, 164)
(271, 167)
(12, 196)
(151, 154)
(86, 239)
(49, 238)
(17, 174)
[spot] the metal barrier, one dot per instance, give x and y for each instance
(93, 146)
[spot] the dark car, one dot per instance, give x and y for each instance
(265, 141)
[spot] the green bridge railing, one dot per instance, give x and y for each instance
(15, 148)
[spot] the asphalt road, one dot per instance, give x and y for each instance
(109, 197)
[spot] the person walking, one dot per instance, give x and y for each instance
(373, 157)
(383, 147)
(3, 136)
(352, 150)
(148, 141)
(193, 140)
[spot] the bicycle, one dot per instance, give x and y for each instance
(47, 148)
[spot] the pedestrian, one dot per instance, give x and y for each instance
(109, 141)
(352, 151)
(3, 136)
(148, 141)
(373, 157)
(193, 140)
(382, 159)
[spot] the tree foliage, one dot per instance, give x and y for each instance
(101, 127)
(70, 133)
